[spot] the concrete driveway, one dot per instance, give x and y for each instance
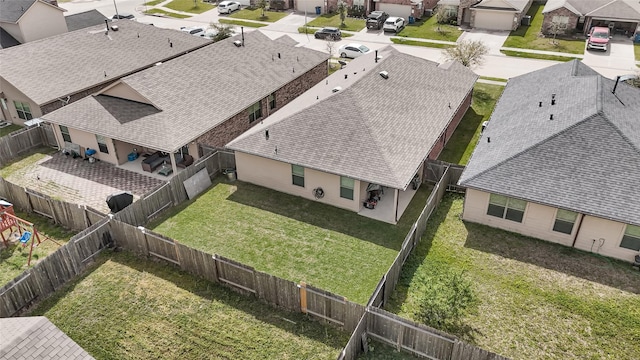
(493, 39)
(620, 56)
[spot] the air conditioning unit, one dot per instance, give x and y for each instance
(526, 20)
(428, 12)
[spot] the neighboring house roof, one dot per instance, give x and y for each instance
(620, 9)
(374, 129)
(188, 96)
(587, 159)
(6, 40)
(12, 10)
(510, 5)
(84, 20)
(47, 69)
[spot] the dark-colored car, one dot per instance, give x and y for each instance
(330, 33)
(376, 19)
(123, 16)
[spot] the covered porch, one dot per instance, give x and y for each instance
(390, 206)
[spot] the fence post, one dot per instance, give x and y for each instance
(303, 297)
(29, 205)
(144, 236)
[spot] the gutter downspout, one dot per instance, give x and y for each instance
(575, 238)
(397, 201)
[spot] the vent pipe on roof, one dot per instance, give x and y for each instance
(170, 44)
(279, 56)
(346, 76)
(488, 139)
(242, 32)
(551, 117)
(106, 22)
(376, 56)
(553, 99)
(540, 104)
(266, 134)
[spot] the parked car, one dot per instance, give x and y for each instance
(330, 33)
(227, 7)
(394, 24)
(599, 38)
(353, 50)
(376, 19)
(123, 16)
(193, 30)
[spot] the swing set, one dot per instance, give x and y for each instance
(26, 230)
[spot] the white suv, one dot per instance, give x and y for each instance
(394, 24)
(227, 7)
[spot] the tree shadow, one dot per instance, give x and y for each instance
(551, 256)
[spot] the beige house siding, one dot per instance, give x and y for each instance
(125, 92)
(14, 30)
(446, 135)
(276, 175)
(538, 222)
(31, 23)
(12, 94)
(87, 140)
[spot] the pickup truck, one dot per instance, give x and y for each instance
(376, 19)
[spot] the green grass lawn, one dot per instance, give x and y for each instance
(420, 43)
(293, 238)
(13, 260)
(129, 308)
(493, 78)
(241, 23)
(537, 56)
(166, 13)
(527, 37)
(536, 300)
(460, 147)
(256, 14)
(153, 2)
(333, 20)
(189, 6)
(9, 129)
(25, 161)
(636, 50)
(381, 351)
(428, 29)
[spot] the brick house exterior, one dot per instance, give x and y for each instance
(548, 19)
(451, 128)
(222, 134)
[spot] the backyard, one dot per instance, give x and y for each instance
(333, 20)
(9, 129)
(128, 308)
(535, 299)
(528, 37)
(256, 14)
(290, 237)
(430, 29)
(460, 147)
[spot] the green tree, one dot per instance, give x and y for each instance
(342, 10)
(222, 31)
(262, 5)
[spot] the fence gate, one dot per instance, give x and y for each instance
(48, 135)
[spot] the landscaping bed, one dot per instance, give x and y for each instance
(333, 20)
(534, 299)
(291, 237)
(430, 29)
(129, 308)
(256, 14)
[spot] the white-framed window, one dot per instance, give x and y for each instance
(506, 207)
(346, 187)
(255, 111)
(65, 133)
(565, 220)
(631, 238)
(297, 175)
(102, 144)
(23, 110)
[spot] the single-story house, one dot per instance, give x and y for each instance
(43, 75)
(84, 19)
(622, 16)
(207, 97)
(29, 20)
(358, 139)
(401, 8)
(489, 14)
(559, 160)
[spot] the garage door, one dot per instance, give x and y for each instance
(309, 6)
(494, 20)
(403, 11)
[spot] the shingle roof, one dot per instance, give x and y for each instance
(6, 40)
(515, 5)
(11, 10)
(193, 93)
(47, 69)
(84, 20)
(375, 129)
(36, 337)
(587, 159)
(621, 9)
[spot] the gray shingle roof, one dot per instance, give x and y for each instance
(586, 159)
(377, 130)
(54, 67)
(621, 9)
(36, 337)
(12, 10)
(193, 93)
(84, 20)
(515, 5)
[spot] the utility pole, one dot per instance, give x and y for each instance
(116, 6)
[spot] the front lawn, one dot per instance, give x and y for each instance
(189, 6)
(256, 14)
(636, 50)
(460, 147)
(528, 37)
(153, 2)
(9, 129)
(291, 237)
(166, 13)
(420, 43)
(529, 55)
(535, 299)
(333, 20)
(241, 23)
(129, 308)
(430, 29)
(13, 260)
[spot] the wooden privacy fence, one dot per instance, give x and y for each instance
(69, 215)
(49, 274)
(21, 141)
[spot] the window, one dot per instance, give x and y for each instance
(297, 173)
(102, 144)
(255, 111)
(4, 103)
(272, 101)
(506, 208)
(561, 22)
(631, 238)
(65, 133)
(564, 221)
(346, 187)
(24, 112)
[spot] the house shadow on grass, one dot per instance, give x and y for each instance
(555, 257)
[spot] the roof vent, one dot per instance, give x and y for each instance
(540, 104)
(553, 99)
(237, 43)
(114, 27)
(266, 134)
(159, 63)
(384, 74)
(551, 117)
(336, 89)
